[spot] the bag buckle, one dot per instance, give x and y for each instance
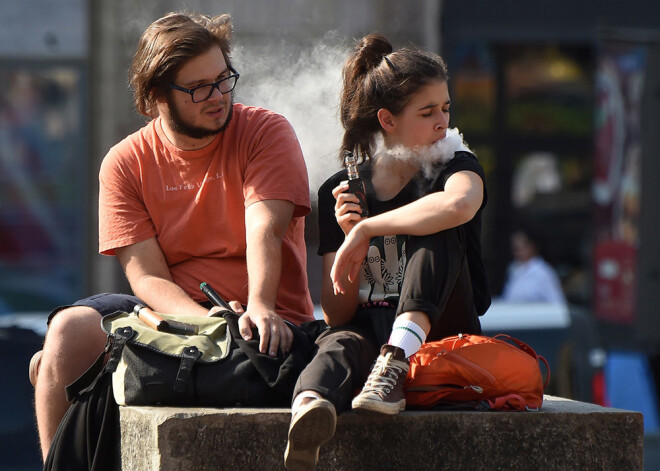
(121, 336)
(189, 356)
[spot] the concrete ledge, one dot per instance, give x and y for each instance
(564, 435)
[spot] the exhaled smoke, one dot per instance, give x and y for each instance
(425, 157)
(303, 85)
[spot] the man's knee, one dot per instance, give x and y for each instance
(74, 320)
(74, 333)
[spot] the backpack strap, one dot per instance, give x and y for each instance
(530, 351)
(519, 343)
(509, 402)
(547, 369)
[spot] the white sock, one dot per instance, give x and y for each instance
(407, 335)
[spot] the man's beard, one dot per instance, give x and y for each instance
(180, 126)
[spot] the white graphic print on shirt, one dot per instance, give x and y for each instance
(381, 274)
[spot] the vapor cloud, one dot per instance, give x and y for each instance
(425, 157)
(303, 85)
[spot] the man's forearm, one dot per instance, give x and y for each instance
(266, 223)
(264, 265)
(164, 296)
(146, 270)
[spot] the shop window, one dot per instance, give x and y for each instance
(42, 186)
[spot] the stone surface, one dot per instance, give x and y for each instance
(564, 435)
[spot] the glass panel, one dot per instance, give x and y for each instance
(548, 91)
(42, 189)
(473, 86)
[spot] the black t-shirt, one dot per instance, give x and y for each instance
(382, 271)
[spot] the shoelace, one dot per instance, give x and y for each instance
(383, 377)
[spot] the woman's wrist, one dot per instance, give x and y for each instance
(363, 229)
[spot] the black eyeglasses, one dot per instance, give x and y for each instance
(204, 92)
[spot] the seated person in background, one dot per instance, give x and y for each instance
(530, 278)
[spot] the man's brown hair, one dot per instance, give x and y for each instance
(166, 45)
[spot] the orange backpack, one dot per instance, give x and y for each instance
(485, 373)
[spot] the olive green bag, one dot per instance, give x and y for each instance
(215, 367)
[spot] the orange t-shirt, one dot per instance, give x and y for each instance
(194, 203)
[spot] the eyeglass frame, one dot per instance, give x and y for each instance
(214, 86)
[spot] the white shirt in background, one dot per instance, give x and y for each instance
(533, 281)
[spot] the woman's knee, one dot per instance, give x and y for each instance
(343, 336)
(449, 240)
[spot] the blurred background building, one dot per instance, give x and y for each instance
(559, 100)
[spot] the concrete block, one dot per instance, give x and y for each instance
(564, 435)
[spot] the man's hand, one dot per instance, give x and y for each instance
(234, 305)
(273, 331)
(266, 223)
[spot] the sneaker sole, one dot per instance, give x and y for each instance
(309, 430)
(378, 407)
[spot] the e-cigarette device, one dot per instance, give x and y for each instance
(355, 183)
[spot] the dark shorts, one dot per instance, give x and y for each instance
(107, 303)
(104, 303)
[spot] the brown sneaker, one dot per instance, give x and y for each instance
(383, 391)
(35, 363)
(312, 425)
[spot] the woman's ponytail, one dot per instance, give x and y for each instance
(357, 103)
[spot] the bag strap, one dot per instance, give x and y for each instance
(547, 369)
(189, 356)
(114, 344)
(253, 355)
(119, 339)
(73, 390)
(530, 351)
(269, 368)
(509, 402)
(519, 343)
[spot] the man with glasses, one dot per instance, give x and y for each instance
(207, 191)
(203, 92)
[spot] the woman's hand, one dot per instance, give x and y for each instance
(347, 208)
(349, 257)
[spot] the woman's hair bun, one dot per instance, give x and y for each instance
(372, 49)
